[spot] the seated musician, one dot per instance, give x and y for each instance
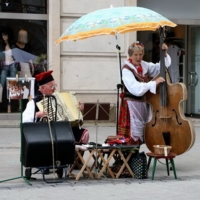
(136, 76)
(47, 86)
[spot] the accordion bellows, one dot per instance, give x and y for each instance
(67, 106)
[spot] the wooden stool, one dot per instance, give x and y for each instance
(105, 161)
(117, 152)
(156, 157)
(84, 166)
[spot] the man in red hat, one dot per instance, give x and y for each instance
(47, 86)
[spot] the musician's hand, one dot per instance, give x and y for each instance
(159, 80)
(164, 48)
(80, 106)
(40, 114)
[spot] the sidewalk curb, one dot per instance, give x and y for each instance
(16, 124)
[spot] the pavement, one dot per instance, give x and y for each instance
(164, 187)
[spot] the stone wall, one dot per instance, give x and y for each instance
(88, 67)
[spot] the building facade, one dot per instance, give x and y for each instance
(90, 67)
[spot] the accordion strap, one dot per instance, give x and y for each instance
(52, 145)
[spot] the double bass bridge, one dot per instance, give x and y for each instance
(165, 117)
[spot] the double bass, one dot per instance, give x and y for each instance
(168, 124)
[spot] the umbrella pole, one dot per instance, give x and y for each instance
(96, 124)
(119, 58)
(119, 86)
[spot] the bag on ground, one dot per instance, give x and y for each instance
(138, 164)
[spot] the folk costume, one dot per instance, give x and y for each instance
(134, 111)
(81, 135)
(31, 108)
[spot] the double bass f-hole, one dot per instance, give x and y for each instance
(155, 119)
(179, 123)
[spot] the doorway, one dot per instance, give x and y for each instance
(193, 86)
(185, 57)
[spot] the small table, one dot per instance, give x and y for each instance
(103, 164)
(156, 157)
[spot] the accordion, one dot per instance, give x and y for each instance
(65, 108)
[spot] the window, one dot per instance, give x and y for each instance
(24, 6)
(29, 59)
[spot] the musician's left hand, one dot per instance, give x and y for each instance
(164, 48)
(80, 106)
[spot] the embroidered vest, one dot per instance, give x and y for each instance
(126, 93)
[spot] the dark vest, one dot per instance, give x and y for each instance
(38, 97)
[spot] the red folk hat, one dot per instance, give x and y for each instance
(44, 77)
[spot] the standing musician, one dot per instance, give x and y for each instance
(137, 80)
(47, 86)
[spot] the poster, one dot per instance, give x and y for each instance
(20, 88)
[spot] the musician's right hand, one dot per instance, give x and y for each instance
(41, 114)
(159, 80)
